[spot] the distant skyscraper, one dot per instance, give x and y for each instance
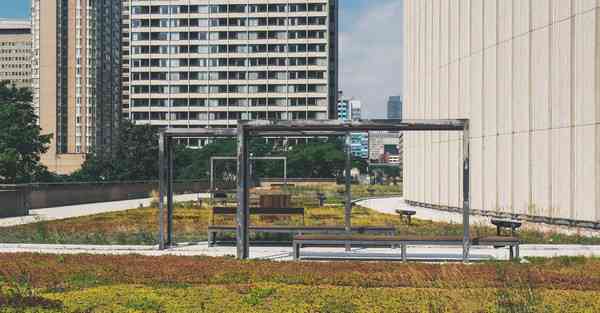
(76, 77)
(212, 63)
(15, 52)
(349, 109)
(394, 108)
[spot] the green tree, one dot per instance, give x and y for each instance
(135, 157)
(21, 143)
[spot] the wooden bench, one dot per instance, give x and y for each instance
(506, 224)
(138, 195)
(406, 214)
(214, 230)
(401, 241)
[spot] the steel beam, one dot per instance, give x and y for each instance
(348, 181)
(466, 186)
(243, 211)
(170, 208)
(322, 128)
(161, 191)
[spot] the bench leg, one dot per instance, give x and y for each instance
(296, 251)
(348, 246)
(211, 239)
(403, 252)
(511, 253)
(517, 252)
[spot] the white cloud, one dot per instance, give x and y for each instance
(371, 55)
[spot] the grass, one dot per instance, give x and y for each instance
(140, 226)
(49, 283)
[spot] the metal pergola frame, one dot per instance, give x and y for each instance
(247, 129)
(274, 158)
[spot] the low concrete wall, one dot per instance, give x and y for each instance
(13, 203)
(35, 196)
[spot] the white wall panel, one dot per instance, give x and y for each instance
(561, 74)
(465, 25)
(504, 99)
(476, 25)
(561, 172)
(476, 86)
(476, 147)
(454, 29)
(584, 5)
(444, 31)
(540, 13)
(585, 182)
(585, 56)
(490, 21)
(521, 97)
(490, 153)
(540, 78)
(540, 172)
(505, 20)
(521, 17)
(504, 173)
(520, 173)
(490, 96)
(465, 87)
(561, 10)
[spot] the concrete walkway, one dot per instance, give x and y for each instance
(390, 205)
(64, 212)
(420, 253)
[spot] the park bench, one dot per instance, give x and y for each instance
(138, 195)
(406, 215)
(215, 230)
(506, 224)
(400, 241)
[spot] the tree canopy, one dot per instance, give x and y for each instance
(21, 142)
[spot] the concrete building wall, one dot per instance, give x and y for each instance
(527, 74)
(15, 52)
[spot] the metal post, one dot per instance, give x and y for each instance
(243, 211)
(348, 180)
(466, 184)
(212, 178)
(285, 172)
(169, 191)
(161, 188)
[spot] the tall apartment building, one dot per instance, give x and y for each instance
(15, 52)
(527, 75)
(209, 63)
(394, 108)
(76, 77)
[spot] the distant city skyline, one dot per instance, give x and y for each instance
(370, 49)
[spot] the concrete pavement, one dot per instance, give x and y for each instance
(64, 212)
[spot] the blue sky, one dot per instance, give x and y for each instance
(370, 48)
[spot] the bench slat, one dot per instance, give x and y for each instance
(260, 211)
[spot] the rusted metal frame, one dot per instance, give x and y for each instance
(315, 127)
(466, 188)
(170, 176)
(161, 190)
(166, 174)
(243, 212)
(348, 181)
